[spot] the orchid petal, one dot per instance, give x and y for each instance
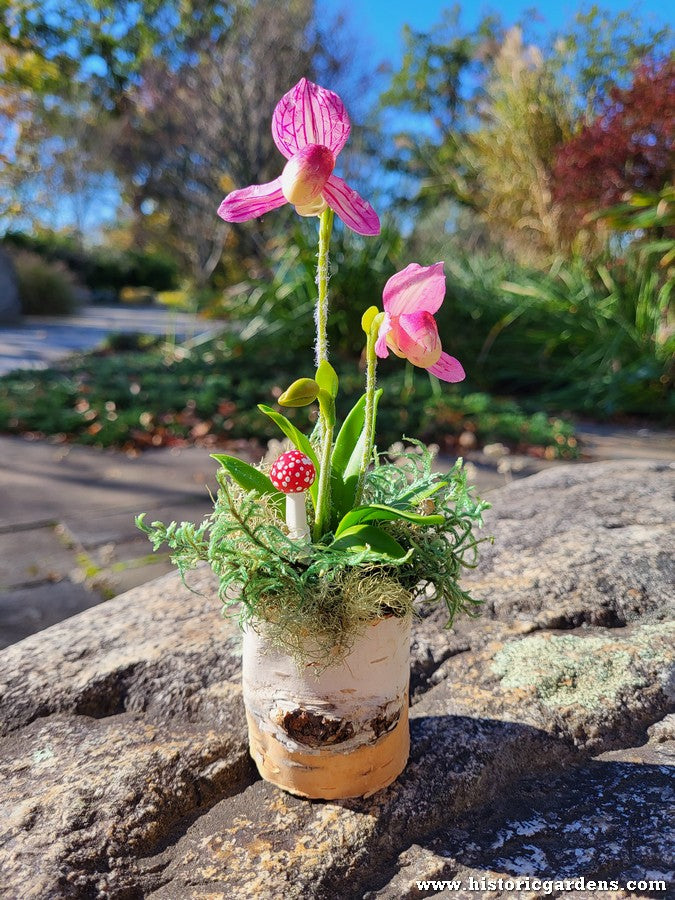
(416, 334)
(381, 348)
(448, 369)
(309, 114)
(415, 289)
(251, 202)
(354, 211)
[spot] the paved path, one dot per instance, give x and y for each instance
(39, 342)
(67, 533)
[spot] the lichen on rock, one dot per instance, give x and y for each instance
(587, 671)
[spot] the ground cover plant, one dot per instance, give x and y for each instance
(146, 393)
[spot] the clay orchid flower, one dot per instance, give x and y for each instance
(310, 126)
(410, 299)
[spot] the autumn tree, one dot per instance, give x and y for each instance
(489, 109)
(626, 149)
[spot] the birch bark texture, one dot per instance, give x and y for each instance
(330, 733)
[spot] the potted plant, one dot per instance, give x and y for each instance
(327, 552)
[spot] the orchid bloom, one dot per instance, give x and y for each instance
(310, 126)
(408, 327)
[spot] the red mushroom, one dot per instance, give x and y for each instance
(293, 474)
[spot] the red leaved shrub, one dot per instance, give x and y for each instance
(627, 148)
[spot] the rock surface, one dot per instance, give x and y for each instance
(541, 742)
(10, 305)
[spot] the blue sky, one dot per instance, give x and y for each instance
(380, 22)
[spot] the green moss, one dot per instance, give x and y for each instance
(89, 568)
(329, 591)
(585, 671)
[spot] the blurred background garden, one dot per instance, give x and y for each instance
(530, 150)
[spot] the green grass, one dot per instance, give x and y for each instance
(167, 396)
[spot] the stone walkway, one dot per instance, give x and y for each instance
(39, 342)
(67, 533)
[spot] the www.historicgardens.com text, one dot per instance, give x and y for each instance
(545, 885)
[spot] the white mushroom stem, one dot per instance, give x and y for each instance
(296, 517)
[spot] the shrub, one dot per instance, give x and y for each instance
(627, 148)
(100, 269)
(590, 341)
(282, 308)
(45, 288)
(137, 392)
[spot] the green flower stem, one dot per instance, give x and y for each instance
(369, 416)
(325, 228)
(322, 518)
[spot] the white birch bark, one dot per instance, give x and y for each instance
(338, 732)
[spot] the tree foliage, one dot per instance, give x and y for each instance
(170, 98)
(486, 110)
(626, 149)
(193, 128)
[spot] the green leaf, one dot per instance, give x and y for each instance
(380, 545)
(348, 436)
(248, 477)
(386, 513)
(412, 498)
(347, 455)
(298, 439)
(326, 378)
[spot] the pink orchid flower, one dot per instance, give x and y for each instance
(410, 298)
(310, 126)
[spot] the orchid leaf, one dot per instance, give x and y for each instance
(299, 441)
(375, 541)
(347, 456)
(386, 513)
(348, 436)
(249, 478)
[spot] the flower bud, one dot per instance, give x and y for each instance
(301, 393)
(368, 318)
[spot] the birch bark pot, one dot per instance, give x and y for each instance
(337, 734)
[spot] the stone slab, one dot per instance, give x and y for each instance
(118, 528)
(25, 611)
(139, 697)
(607, 821)
(600, 549)
(28, 559)
(41, 341)
(42, 482)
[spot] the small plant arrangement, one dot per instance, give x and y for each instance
(334, 540)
